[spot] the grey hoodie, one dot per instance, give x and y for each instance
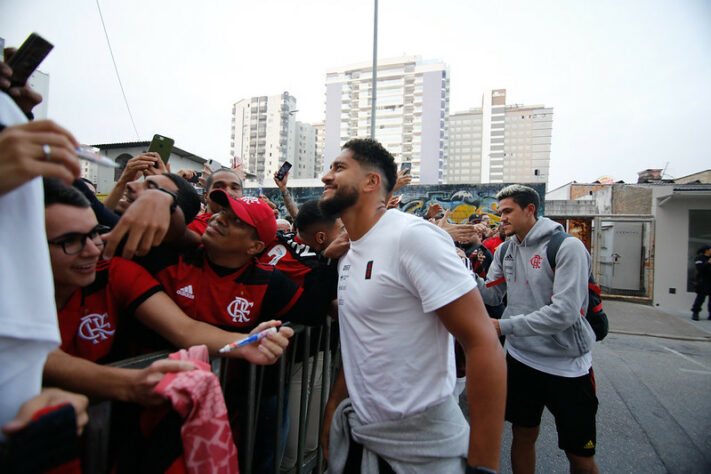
(544, 312)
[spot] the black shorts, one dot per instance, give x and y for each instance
(571, 400)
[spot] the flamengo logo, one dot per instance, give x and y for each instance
(536, 261)
(95, 328)
(239, 310)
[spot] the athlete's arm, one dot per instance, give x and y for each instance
(467, 320)
(570, 290)
(493, 287)
(164, 316)
(339, 392)
(128, 385)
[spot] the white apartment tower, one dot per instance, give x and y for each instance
(499, 143)
(320, 130)
(263, 133)
(412, 106)
(305, 152)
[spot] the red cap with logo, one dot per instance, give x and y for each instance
(252, 211)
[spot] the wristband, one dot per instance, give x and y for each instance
(175, 198)
(479, 470)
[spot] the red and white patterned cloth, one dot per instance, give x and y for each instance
(197, 396)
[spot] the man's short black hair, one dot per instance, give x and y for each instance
(310, 214)
(56, 192)
(188, 199)
(521, 195)
(211, 178)
(372, 153)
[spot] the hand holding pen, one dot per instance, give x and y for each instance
(272, 337)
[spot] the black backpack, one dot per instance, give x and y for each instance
(595, 315)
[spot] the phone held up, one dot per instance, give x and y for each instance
(163, 146)
(27, 58)
(407, 166)
(283, 170)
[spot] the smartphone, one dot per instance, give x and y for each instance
(283, 170)
(27, 58)
(163, 146)
(196, 178)
(211, 163)
(406, 166)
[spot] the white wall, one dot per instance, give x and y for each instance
(671, 242)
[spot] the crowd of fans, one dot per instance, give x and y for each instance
(157, 265)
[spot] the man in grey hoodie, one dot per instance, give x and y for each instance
(548, 340)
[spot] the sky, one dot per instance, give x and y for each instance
(628, 80)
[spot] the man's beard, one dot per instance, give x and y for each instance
(342, 199)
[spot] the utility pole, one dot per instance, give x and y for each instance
(375, 71)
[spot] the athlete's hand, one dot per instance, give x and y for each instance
(47, 398)
(145, 380)
(146, 221)
(270, 348)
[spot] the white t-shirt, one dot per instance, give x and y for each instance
(397, 356)
(28, 315)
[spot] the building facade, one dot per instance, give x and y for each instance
(499, 143)
(305, 152)
(412, 108)
(319, 129)
(264, 133)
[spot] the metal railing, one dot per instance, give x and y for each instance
(307, 347)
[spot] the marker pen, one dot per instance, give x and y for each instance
(86, 153)
(248, 340)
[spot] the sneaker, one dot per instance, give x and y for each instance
(695, 316)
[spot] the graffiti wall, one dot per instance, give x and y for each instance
(461, 200)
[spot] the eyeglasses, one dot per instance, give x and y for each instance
(74, 242)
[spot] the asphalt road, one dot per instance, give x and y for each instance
(655, 409)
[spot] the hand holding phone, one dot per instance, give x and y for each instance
(28, 58)
(163, 146)
(283, 170)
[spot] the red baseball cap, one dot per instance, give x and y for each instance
(252, 211)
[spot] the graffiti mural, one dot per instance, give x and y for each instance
(461, 199)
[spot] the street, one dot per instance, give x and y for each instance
(655, 409)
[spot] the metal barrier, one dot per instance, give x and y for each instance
(97, 432)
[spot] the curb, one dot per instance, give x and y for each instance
(663, 336)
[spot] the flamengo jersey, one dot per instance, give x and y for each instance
(89, 321)
(240, 300)
(199, 223)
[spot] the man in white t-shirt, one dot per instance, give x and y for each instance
(402, 291)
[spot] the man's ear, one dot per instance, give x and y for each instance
(320, 237)
(256, 248)
(372, 182)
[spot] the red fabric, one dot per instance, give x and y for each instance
(289, 254)
(242, 299)
(492, 243)
(89, 320)
(197, 396)
(199, 224)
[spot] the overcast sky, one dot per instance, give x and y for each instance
(628, 80)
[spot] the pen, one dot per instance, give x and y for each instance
(253, 338)
(85, 153)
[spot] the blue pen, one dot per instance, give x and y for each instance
(253, 338)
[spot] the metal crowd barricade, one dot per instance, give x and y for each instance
(95, 458)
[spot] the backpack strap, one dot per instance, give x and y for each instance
(553, 245)
(502, 252)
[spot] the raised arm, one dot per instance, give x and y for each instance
(289, 203)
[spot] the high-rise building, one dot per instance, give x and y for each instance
(320, 135)
(499, 143)
(412, 106)
(305, 151)
(263, 133)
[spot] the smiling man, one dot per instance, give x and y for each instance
(548, 340)
(402, 291)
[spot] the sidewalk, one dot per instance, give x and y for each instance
(643, 320)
